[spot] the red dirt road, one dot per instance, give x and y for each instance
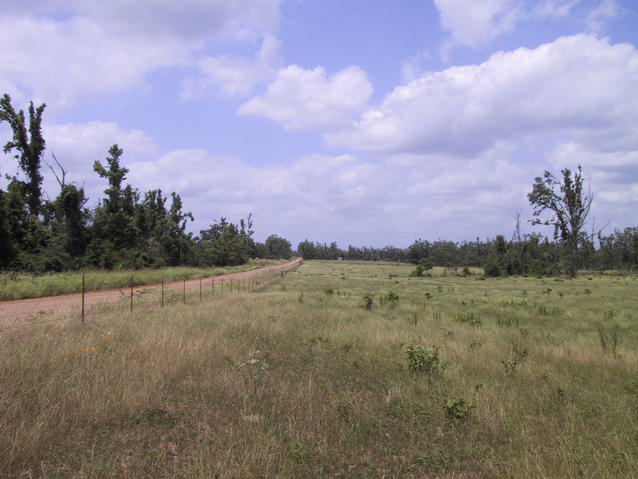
(26, 307)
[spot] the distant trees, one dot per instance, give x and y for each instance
(278, 248)
(225, 243)
(568, 205)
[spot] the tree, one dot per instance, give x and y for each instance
(568, 205)
(29, 145)
(278, 248)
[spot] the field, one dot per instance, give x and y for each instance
(337, 370)
(26, 285)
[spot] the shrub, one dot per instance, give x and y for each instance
(425, 360)
(418, 271)
(458, 408)
(368, 300)
(467, 317)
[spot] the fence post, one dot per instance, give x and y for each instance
(83, 289)
(212, 283)
(200, 290)
(184, 291)
(131, 294)
(231, 286)
(162, 291)
(222, 287)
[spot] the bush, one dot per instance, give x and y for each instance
(458, 408)
(424, 360)
(368, 300)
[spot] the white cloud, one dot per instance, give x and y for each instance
(554, 8)
(475, 24)
(300, 98)
(316, 192)
(235, 75)
(604, 11)
(186, 18)
(78, 145)
(63, 51)
(580, 86)
(64, 61)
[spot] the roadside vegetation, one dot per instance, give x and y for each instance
(27, 285)
(339, 370)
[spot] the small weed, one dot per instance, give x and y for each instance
(329, 291)
(609, 340)
(300, 453)
(458, 409)
(391, 299)
(368, 301)
(507, 321)
(425, 360)
(609, 312)
(468, 317)
(515, 303)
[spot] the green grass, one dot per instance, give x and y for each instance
(302, 380)
(25, 285)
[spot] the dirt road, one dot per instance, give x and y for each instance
(26, 307)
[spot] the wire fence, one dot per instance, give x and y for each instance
(187, 291)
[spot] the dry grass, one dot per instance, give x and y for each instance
(300, 380)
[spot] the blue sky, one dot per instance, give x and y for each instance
(364, 122)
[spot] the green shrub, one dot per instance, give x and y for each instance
(425, 360)
(458, 409)
(368, 301)
(467, 317)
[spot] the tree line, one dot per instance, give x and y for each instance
(126, 228)
(528, 254)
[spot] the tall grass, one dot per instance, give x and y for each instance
(294, 381)
(26, 285)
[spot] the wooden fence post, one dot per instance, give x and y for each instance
(184, 291)
(200, 290)
(131, 294)
(162, 291)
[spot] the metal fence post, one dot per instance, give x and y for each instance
(83, 289)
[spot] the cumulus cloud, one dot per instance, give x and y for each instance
(475, 24)
(63, 61)
(581, 86)
(300, 99)
(63, 51)
(232, 75)
(78, 145)
(331, 193)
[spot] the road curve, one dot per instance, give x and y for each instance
(26, 307)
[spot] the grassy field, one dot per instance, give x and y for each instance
(25, 285)
(338, 370)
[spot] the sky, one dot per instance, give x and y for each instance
(358, 121)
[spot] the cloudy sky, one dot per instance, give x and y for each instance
(361, 121)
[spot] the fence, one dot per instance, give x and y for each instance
(206, 287)
(136, 296)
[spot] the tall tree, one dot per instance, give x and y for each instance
(28, 144)
(568, 204)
